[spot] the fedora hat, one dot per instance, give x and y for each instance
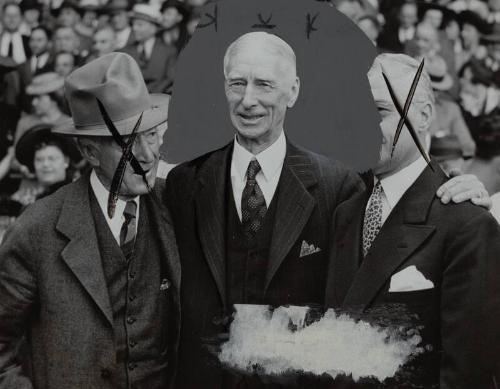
(438, 73)
(45, 83)
(445, 148)
(115, 6)
(116, 80)
(41, 133)
(473, 18)
(67, 4)
(147, 12)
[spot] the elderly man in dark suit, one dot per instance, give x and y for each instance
(252, 218)
(396, 243)
(96, 290)
(154, 57)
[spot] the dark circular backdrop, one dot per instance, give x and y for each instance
(334, 114)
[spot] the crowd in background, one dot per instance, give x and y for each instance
(42, 41)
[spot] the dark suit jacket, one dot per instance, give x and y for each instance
(158, 71)
(309, 189)
(26, 73)
(52, 285)
(455, 246)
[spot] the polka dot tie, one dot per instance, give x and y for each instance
(373, 218)
(253, 204)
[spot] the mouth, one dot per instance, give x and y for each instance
(249, 118)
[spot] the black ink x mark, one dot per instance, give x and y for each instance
(264, 23)
(213, 20)
(310, 24)
(403, 112)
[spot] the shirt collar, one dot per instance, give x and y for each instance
(270, 160)
(102, 195)
(396, 185)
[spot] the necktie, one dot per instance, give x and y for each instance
(373, 218)
(10, 52)
(253, 203)
(127, 232)
(142, 54)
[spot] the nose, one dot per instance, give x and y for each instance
(143, 151)
(249, 99)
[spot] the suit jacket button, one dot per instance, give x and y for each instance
(130, 320)
(132, 366)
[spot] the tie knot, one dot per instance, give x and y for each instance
(253, 169)
(130, 210)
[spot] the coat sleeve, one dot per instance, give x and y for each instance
(470, 306)
(17, 299)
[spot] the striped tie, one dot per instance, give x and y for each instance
(127, 232)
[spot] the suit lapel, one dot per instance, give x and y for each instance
(403, 232)
(210, 203)
(347, 253)
(81, 254)
(294, 206)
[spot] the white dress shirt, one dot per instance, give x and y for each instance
(406, 34)
(271, 162)
(38, 62)
(18, 54)
(122, 37)
(102, 194)
(395, 186)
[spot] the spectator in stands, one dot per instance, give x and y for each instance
(104, 42)
(12, 43)
(174, 15)
(370, 25)
(41, 59)
(448, 119)
(64, 63)
(472, 29)
(118, 15)
(67, 40)
(69, 15)
(47, 103)
(154, 57)
(32, 13)
(396, 33)
(49, 157)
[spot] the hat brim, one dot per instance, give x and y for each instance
(445, 84)
(53, 86)
(137, 15)
(156, 116)
(25, 146)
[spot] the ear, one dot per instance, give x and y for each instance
(161, 134)
(294, 93)
(89, 150)
(426, 115)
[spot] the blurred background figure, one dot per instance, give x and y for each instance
(370, 25)
(400, 29)
(446, 150)
(104, 42)
(32, 14)
(448, 118)
(48, 157)
(12, 43)
(174, 14)
(64, 63)
(154, 57)
(472, 28)
(117, 10)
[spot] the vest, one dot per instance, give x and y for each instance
(246, 263)
(140, 307)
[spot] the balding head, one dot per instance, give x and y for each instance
(259, 42)
(261, 84)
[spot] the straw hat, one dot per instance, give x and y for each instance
(45, 83)
(116, 80)
(147, 12)
(440, 78)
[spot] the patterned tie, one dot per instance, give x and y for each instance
(373, 218)
(127, 232)
(253, 204)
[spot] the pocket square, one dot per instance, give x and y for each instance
(409, 279)
(308, 249)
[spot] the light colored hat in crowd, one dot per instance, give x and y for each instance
(438, 73)
(45, 83)
(116, 80)
(147, 12)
